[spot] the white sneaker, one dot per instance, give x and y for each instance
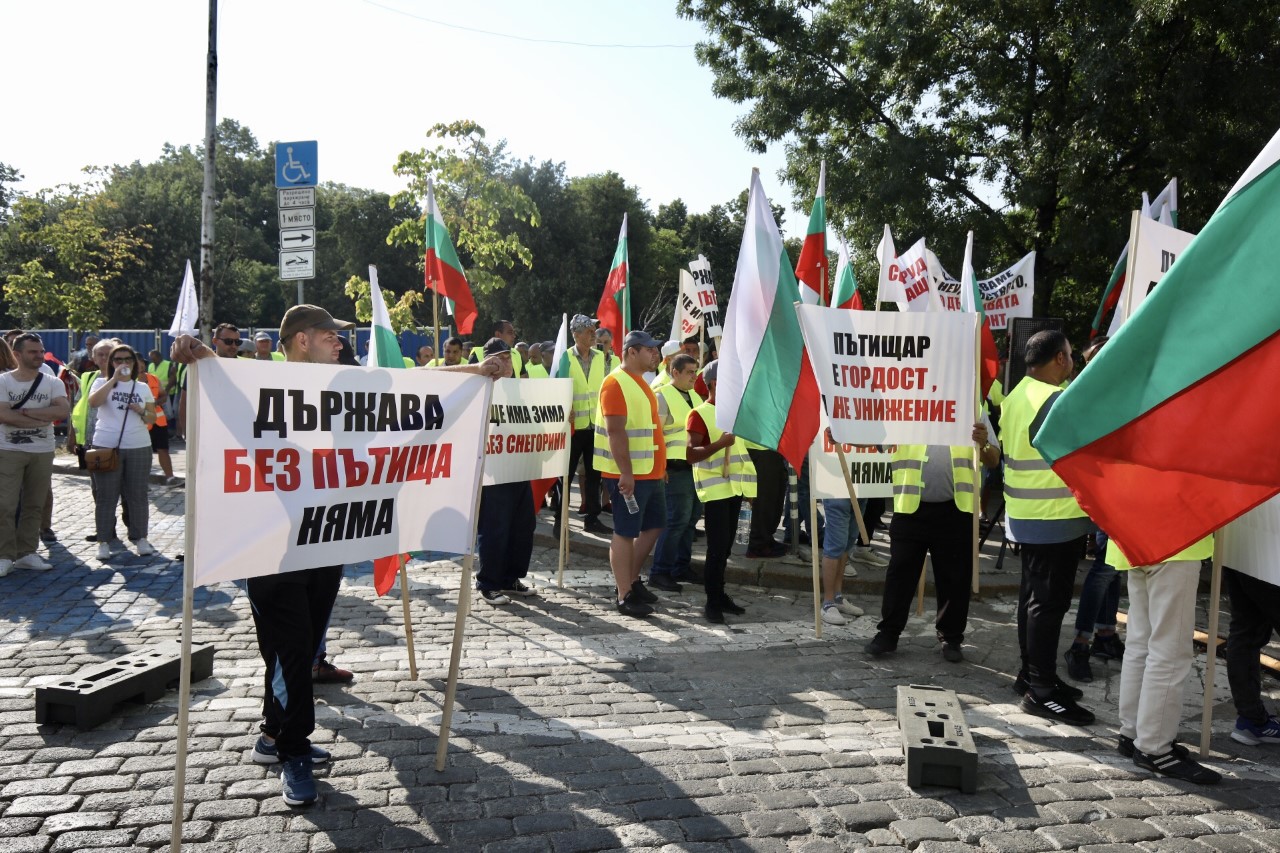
(867, 557)
(831, 614)
(6, 566)
(848, 608)
(173, 481)
(34, 562)
(850, 570)
(104, 550)
(145, 549)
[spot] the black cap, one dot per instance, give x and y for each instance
(640, 338)
(495, 346)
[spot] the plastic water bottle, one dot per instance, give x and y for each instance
(632, 506)
(744, 524)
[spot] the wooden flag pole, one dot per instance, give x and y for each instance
(815, 558)
(435, 323)
(853, 493)
(563, 545)
(408, 621)
(1211, 647)
(977, 452)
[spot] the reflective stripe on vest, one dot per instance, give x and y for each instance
(673, 414)
(639, 428)
(1032, 491)
(586, 387)
(908, 477)
(710, 479)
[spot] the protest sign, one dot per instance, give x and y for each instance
(908, 281)
(305, 465)
(686, 320)
(529, 426)
(1153, 247)
(894, 378)
(1005, 295)
(706, 295)
(868, 468)
(1251, 543)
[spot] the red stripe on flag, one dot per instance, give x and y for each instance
(811, 267)
(1169, 478)
(451, 283)
(385, 570)
(802, 418)
(608, 311)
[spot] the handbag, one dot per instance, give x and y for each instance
(104, 460)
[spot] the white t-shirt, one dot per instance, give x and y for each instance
(108, 417)
(36, 438)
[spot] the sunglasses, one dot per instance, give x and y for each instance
(231, 342)
(125, 360)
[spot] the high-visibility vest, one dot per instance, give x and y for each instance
(640, 427)
(710, 479)
(536, 371)
(160, 371)
(908, 484)
(996, 394)
(586, 387)
(153, 382)
(1032, 491)
(80, 414)
(516, 361)
(663, 378)
(673, 414)
(1201, 550)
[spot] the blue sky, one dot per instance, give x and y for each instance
(106, 83)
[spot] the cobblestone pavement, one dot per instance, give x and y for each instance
(576, 729)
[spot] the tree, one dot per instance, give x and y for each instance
(1036, 123)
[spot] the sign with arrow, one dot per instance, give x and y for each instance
(298, 238)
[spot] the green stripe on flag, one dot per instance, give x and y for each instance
(776, 370)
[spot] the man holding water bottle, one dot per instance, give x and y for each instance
(630, 453)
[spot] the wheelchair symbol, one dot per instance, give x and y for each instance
(293, 171)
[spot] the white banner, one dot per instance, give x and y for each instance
(687, 319)
(1005, 295)
(909, 283)
(706, 295)
(894, 378)
(868, 468)
(1251, 543)
(305, 465)
(1152, 250)
(529, 426)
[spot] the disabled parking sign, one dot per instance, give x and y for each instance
(296, 164)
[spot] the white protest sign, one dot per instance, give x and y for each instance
(1251, 543)
(1152, 250)
(1005, 295)
(909, 283)
(688, 316)
(706, 295)
(305, 465)
(529, 426)
(868, 468)
(894, 377)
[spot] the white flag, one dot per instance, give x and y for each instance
(186, 320)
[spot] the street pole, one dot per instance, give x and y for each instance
(206, 196)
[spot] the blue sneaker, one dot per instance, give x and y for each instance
(1247, 731)
(298, 783)
(266, 753)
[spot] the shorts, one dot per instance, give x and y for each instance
(159, 437)
(841, 532)
(651, 495)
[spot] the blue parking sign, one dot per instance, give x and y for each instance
(296, 164)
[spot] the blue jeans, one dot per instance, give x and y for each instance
(675, 543)
(1100, 594)
(841, 532)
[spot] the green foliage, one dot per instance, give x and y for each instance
(401, 311)
(1037, 124)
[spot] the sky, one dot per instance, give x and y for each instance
(95, 83)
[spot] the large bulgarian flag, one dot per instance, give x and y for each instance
(811, 269)
(1169, 434)
(766, 392)
(1164, 209)
(845, 294)
(443, 270)
(614, 311)
(384, 351)
(971, 300)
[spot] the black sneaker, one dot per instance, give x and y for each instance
(1058, 707)
(1177, 767)
(1020, 687)
(629, 606)
(494, 596)
(881, 645)
(1107, 647)
(1124, 746)
(728, 605)
(521, 589)
(689, 576)
(664, 582)
(714, 615)
(641, 593)
(594, 525)
(1078, 662)
(951, 653)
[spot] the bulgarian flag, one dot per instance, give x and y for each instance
(384, 351)
(766, 391)
(846, 293)
(614, 310)
(971, 300)
(1169, 434)
(1165, 209)
(811, 269)
(443, 271)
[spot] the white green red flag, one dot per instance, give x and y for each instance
(614, 311)
(1165, 210)
(766, 390)
(971, 301)
(845, 294)
(811, 269)
(560, 361)
(384, 351)
(1169, 434)
(443, 270)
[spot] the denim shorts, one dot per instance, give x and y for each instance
(841, 532)
(651, 495)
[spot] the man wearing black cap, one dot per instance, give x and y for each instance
(630, 453)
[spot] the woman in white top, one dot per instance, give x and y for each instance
(122, 407)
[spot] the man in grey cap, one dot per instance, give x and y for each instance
(264, 349)
(588, 367)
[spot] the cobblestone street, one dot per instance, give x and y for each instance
(576, 729)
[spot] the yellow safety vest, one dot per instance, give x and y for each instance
(1032, 491)
(159, 371)
(516, 361)
(673, 414)
(710, 479)
(663, 378)
(996, 394)
(537, 371)
(80, 414)
(1202, 550)
(908, 484)
(640, 427)
(586, 387)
